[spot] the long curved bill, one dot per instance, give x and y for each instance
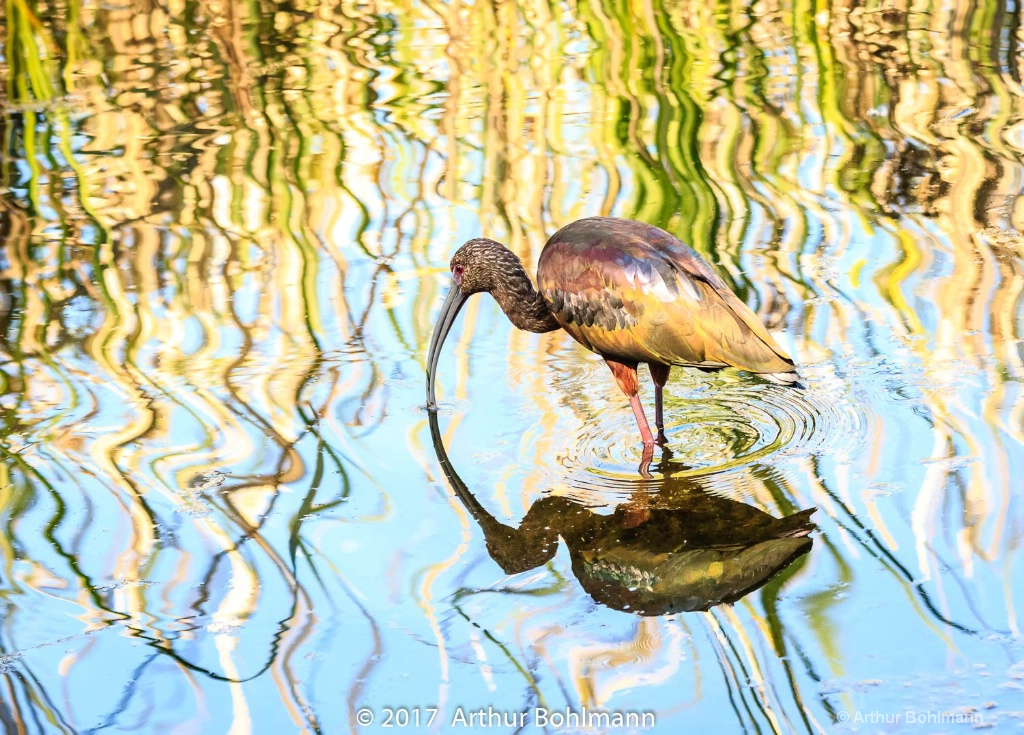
(452, 305)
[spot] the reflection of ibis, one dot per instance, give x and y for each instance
(685, 550)
(626, 290)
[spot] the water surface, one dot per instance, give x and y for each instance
(225, 230)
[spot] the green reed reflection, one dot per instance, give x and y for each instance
(223, 228)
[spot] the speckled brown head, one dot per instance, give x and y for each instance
(484, 265)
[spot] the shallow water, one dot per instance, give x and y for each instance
(225, 233)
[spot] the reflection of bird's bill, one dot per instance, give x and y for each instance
(673, 547)
(449, 310)
(458, 486)
(442, 456)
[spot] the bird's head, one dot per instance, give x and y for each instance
(481, 264)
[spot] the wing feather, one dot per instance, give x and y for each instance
(629, 290)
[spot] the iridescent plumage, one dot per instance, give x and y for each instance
(631, 291)
(628, 291)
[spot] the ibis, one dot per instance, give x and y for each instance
(628, 291)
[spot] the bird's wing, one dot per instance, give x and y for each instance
(725, 327)
(638, 293)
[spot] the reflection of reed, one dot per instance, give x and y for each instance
(789, 193)
(219, 228)
(671, 546)
(203, 339)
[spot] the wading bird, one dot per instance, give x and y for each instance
(626, 290)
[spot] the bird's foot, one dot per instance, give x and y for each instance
(661, 438)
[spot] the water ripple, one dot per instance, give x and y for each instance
(723, 426)
(447, 407)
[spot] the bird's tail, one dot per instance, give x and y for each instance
(797, 525)
(791, 378)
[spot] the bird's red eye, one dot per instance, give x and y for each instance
(457, 271)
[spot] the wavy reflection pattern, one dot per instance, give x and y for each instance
(224, 228)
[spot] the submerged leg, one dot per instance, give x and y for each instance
(645, 461)
(659, 374)
(625, 376)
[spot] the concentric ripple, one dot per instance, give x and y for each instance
(447, 407)
(720, 425)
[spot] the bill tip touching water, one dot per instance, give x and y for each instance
(628, 291)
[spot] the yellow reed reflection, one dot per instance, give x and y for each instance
(225, 229)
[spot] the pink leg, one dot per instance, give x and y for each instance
(641, 420)
(625, 376)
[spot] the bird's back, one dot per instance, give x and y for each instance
(632, 291)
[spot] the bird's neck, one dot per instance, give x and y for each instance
(522, 303)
